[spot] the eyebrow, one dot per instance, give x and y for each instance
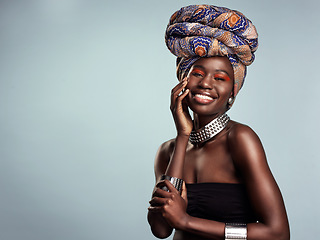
(218, 70)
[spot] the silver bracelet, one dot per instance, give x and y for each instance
(235, 231)
(176, 182)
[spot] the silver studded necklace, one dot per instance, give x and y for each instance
(210, 130)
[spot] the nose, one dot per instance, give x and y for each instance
(206, 82)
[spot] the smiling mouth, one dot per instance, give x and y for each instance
(203, 99)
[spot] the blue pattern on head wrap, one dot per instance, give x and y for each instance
(203, 30)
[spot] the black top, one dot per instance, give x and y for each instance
(222, 202)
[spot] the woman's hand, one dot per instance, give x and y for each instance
(172, 206)
(179, 109)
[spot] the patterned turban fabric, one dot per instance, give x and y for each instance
(205, 31)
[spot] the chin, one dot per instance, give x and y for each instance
(207, 110)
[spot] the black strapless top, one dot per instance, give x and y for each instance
(222, 202)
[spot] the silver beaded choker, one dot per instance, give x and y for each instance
(210, 130)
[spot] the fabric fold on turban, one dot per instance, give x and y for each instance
(205, 31)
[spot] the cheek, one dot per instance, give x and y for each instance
(227, 88)
(192, 82)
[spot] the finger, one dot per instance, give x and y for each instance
(179, 85)
(181, 101)
(158, 201)
(177, 90)
(155, 209)
(159, 192)
(169, 186)
(183, 95)
(185, 106)
(175, 97)
(163, 183)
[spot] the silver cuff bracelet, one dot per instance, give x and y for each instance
(176, 182)
(235, 231)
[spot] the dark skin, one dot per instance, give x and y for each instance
(235, 155)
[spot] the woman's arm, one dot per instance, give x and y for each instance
(184, 125)
(264, 194)
(170, 157)
(159, 226)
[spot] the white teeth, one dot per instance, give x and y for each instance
(204, 97)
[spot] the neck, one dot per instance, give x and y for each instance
(210, 130)
(201, 121)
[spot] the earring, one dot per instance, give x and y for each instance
(230, 100)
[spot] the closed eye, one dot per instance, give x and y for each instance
(197, 73)
(221, 77)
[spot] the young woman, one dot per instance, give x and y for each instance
(213, 180)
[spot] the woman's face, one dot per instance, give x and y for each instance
(210, 81)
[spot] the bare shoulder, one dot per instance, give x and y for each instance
(239, 132)
(249, 158)
(245, 145)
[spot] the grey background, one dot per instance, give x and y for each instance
(84, 96)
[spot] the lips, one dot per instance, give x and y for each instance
(203, 98)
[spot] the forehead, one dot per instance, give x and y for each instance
(214, 63)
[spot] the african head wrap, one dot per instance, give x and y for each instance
(205, 31)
